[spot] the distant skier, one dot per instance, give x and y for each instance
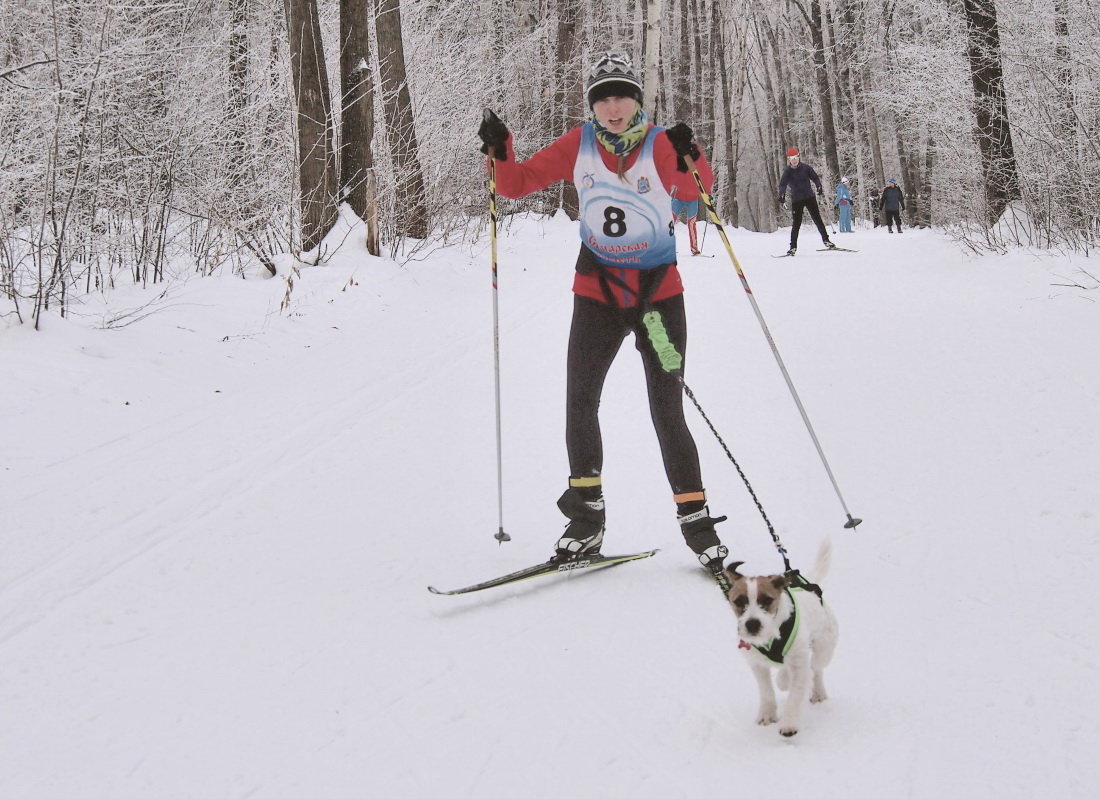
(625, 170)
(844, 203)
(687, 211)
(799, 176)
(893, 203)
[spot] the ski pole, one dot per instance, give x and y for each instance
(500, 536)
(852, 522)
(832, 216)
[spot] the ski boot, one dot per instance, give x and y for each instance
(583, 505)
(792, 251)
(829, 245)
(697, 527)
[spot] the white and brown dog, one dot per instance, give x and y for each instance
(785, 625)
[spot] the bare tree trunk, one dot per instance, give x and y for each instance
(1065, 100)
(733, 100)
(821, 72)
(910, 178)
(857, 132)
(651, 79)
(238, 87)
(873, 136)
(1002, 184)
(1070, 186)
(705, 33)
(412, 212)
(316, 153)
(357, 116)
(774, 137)
(568, 90)
(683, 96)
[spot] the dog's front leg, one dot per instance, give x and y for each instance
(763, 673)
(798, 666)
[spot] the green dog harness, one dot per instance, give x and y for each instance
(776, 650)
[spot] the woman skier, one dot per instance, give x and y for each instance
(625, 170)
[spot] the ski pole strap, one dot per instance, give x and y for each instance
(671, 360)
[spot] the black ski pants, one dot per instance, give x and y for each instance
(597, 333)
(797, 207)
(892, 218)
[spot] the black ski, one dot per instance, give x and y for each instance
(836, 249)
(549, 567)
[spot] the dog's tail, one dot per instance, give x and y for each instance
(824, 558)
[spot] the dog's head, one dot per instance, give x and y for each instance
(761, 605)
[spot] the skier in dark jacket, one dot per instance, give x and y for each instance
(626, 171)
(893, 203)
(798, 176)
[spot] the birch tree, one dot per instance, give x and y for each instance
(652, 75)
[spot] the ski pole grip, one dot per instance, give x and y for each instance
(671, 360)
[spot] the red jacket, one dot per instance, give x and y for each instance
(555, 162)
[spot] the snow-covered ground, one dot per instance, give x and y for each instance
(220, 518)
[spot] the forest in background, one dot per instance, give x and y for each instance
(141, 138)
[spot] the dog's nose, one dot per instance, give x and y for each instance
(752, 626)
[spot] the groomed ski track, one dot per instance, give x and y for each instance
(220, 519)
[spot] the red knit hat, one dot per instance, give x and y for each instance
(792, 151)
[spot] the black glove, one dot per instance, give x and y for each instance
(493, 134)
(820, 193)
(681, 137)
(782, 199)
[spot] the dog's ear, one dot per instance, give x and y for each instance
(731, 570)
(780, 582)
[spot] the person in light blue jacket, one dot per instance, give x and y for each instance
(844, 203)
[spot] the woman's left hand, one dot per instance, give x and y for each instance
(682, 140)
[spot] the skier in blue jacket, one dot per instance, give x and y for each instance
(799, 176)
(843, 202)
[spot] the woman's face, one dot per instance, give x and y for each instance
(615, 113)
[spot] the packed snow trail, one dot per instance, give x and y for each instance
(220, 521)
